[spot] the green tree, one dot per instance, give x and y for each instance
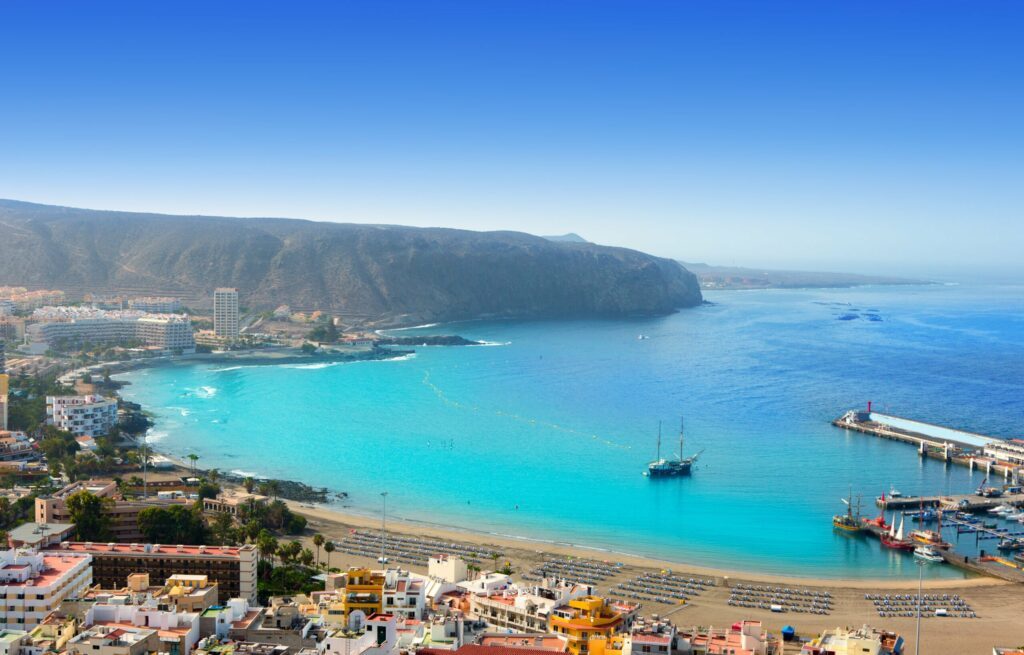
(249, 484)
(306, 557)
(176, 524)
(267, 545)
(318, 541)
(193, 458)
(91, 516)
(223, 528)
(329, 548)
(208, 489)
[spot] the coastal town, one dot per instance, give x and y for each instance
(116, 549)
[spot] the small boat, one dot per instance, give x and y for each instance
(848, 522)
(925, 516)
(1010, 544)
(1000, 509)
(930, 538)
(642, 337)
(928, 554)
(894, 492)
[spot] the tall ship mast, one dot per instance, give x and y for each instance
(671, 467)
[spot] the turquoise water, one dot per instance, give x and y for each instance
(545, 434)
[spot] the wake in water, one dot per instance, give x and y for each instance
(518, 418)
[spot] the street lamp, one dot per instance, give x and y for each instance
(920, 584)
(383, 527)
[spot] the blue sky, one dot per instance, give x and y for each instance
(869, 136)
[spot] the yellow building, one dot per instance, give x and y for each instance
(364, 591)
(584, 619)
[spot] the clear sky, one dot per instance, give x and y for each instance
(855, 135)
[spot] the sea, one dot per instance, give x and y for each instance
(544, 432)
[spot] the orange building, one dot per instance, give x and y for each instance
(584, 619)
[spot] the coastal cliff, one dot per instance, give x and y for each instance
(384, 274)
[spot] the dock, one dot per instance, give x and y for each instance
(992, 565)
(938, 442)
(960, 502)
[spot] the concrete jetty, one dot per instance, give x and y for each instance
(938, 442)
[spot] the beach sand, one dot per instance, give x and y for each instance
(998, 604)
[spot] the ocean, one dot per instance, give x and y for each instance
(545, 431)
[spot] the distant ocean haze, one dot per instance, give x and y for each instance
(547, 435)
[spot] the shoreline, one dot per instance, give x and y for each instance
(344, 521)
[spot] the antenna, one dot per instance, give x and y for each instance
(658, 458)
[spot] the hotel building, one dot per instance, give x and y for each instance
(33, 584)
(82, 416)
(225, 313)
(57, 327)
(124, 514)
(232, 568)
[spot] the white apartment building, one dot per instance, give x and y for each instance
(166, 332)
(1010, 451)
(156, 305)
(377, 635)
(74, 326)
(112, 629)
(225, 313)
(82, 416)
(33, 584)
(404, 594)
(524, 609)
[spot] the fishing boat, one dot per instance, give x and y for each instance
(894, 492)
(848, 522)
(928, 554)
(671, 467)
(1010, 544)
(894, 538)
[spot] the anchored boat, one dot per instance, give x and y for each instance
(671, 467)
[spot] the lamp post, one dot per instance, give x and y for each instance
(384, 527)
(920, 585)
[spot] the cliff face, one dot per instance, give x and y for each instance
(386, 273)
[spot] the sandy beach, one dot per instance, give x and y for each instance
(998, 604)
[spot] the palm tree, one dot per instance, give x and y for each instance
(329, 548)
(318, 541)
(249, 484)
(495, 556)
(193, 457)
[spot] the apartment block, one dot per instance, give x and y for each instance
(225, 313)
(34, 583)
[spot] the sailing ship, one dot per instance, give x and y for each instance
(894, 537)
(931, 537)
(671, 467)
(848, 522)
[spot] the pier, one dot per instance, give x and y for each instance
(994, 565)
(960, 502)
(938, 442)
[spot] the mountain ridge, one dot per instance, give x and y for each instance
(387, 274)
